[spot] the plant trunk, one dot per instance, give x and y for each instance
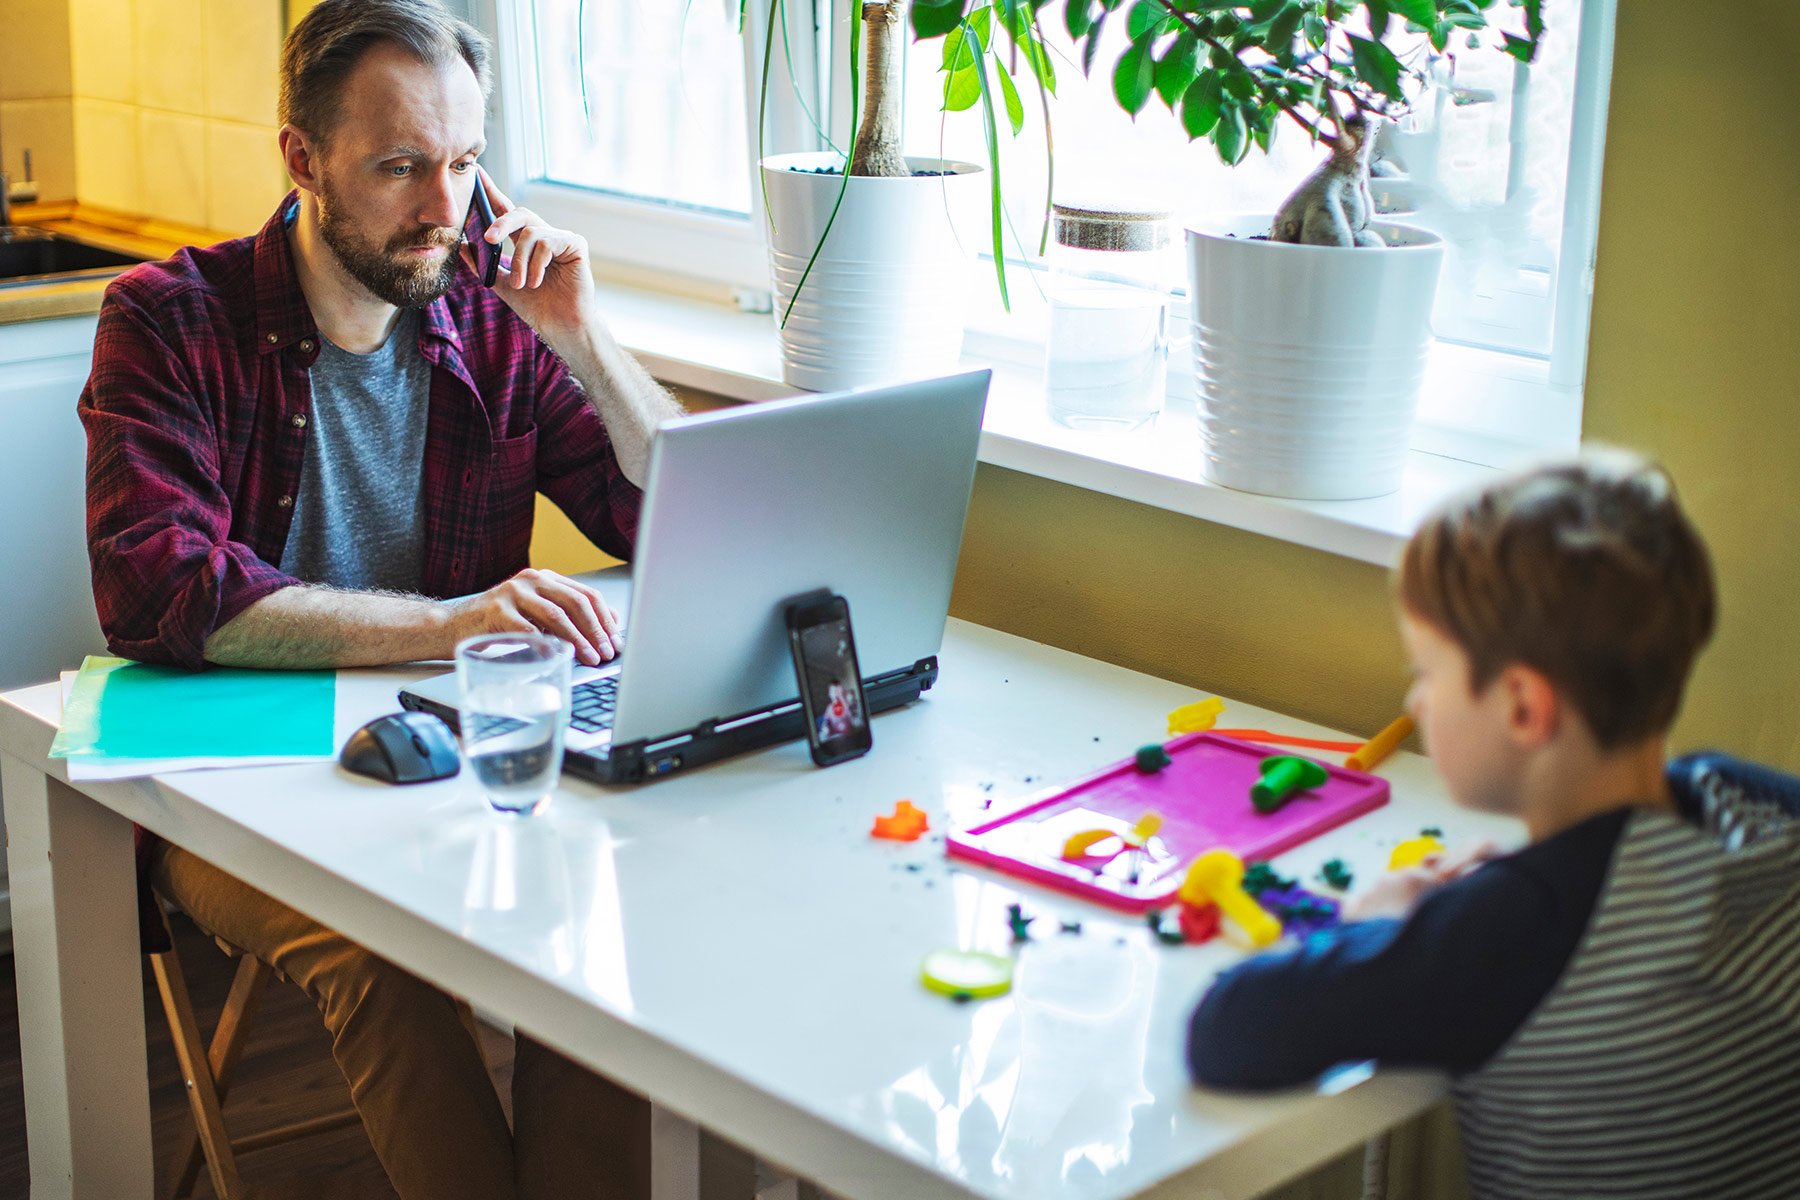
(1332, 208)
(877, 148)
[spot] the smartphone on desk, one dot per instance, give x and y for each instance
(824, 649)
(481, 215)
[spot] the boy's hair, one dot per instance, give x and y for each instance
(329, 41)
(1588, 572)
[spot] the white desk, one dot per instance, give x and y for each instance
(730, 942)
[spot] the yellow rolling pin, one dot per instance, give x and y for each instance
(1380, 746)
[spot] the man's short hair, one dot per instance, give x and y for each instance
(1588, 572)
(329, 41)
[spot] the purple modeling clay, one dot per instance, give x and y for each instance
(1301, 911)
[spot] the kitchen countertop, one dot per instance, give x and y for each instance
(55, 297)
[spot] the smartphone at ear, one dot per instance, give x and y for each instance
(487, 254)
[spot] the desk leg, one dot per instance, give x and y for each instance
(674, 1156)
(81, 999)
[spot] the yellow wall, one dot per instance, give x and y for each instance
(1696, 340)
(1231, 612)
(156, 108)
(37, 95)
(1695, 359)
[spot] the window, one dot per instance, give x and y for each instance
(634, 124)
(1504, 165)
(659, 170)
(642, 100)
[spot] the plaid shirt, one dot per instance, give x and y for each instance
(196, 415)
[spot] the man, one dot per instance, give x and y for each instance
(302, 443)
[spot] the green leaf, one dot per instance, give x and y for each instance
(1262, 11)
(1380, 12)
(962, 88)
(1093, 44)
(1039, 60)
(1283, 28)
(1015, 112)
(957, 53)
(1200, 107)
(1147, 16)
(1076, 18)
(1239, 83)
(1134, 76)
(1230, 136)
(1519, 48)
(1177, 68)
(1376, 66)
(978, 24)
(1419, 12)
(1314, 27)
(934, 18)
(998, 214)
(1534, 20)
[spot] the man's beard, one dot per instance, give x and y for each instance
(387, 273)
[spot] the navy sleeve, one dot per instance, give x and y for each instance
(1444, 988)
(1692, 776)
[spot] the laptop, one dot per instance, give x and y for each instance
(861, 493)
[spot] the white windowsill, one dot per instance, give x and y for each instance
(701, 344)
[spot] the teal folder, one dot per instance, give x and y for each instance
(125, 710)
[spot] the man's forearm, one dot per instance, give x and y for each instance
(629, 401)
(307, 626)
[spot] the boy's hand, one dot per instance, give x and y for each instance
(1396, 893)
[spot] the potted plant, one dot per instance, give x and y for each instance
(1312, 324)
(870, 277)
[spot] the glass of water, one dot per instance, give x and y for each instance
(515, 704)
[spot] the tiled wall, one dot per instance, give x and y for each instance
(37, 110)
(174, 108)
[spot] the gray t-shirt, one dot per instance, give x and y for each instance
(359, 520)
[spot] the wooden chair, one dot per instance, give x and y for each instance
(208, 1070)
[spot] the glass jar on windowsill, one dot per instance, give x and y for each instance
(1111, 274)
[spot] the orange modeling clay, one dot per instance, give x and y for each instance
(905, 825)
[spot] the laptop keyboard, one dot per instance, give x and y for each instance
(591, 704)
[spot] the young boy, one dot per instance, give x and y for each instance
(1618, 1002)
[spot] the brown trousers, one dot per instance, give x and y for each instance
(416, 1076)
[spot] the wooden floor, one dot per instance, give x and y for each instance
(286, 1075)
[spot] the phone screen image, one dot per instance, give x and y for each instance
(839, 722)
(487, 254)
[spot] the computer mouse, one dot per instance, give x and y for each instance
(408, 747)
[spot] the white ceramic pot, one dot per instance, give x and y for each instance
(1308, 359)
(887, 294)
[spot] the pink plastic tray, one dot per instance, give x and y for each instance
(1203, 797)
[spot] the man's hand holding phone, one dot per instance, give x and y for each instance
(548, 281)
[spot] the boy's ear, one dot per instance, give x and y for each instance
(1533, 710)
